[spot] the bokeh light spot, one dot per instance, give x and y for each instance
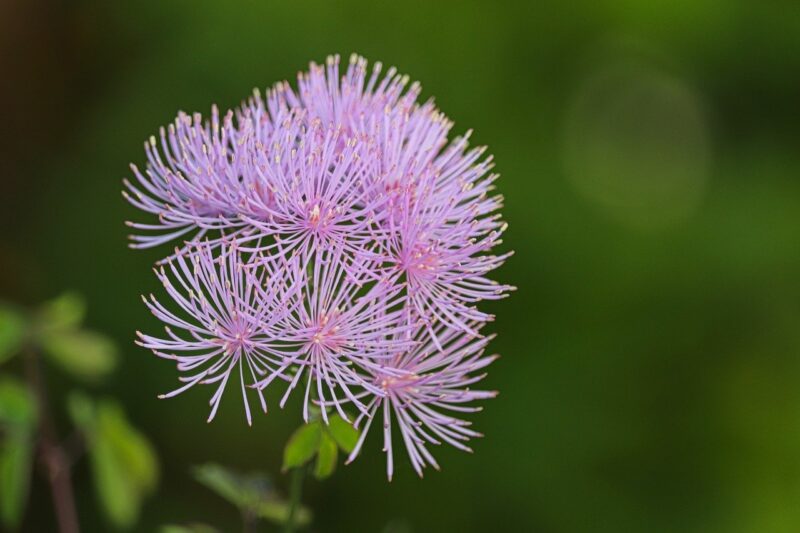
(636, 145)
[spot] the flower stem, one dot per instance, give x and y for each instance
(53, 457)
(295, 492)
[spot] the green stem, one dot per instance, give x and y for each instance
(295, 492)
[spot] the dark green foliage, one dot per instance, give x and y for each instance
(17, 425)
(123, 462)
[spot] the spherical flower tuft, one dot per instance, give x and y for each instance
(332, 238)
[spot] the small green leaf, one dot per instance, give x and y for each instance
(65, 312)
(117, 496)
(17, 421)
(224, 482)
(123, 462)
(84, 354)
(17, 404)
(252, 493)
(345, 435)
(326, 457)
(134, 450)
(16, 452)
(81, 410)
(302, 445)
(12, 331)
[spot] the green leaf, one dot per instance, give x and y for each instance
(251, 493)
(345, 435)
(123, 461)
(133, 448)
(65, 312)
(227, 484)
(12, 331)
(84, 354)
(302, 445)
(17, 405)
(17, 419)
(326, 457)
(81, 410)
(16, 453)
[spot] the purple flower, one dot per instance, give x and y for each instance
(439, 235)
(333, 238)
(227, 325)
(347, 327)
(435, 215)
(423, 396)
(192, 182)
(320, 187)
(353, 101)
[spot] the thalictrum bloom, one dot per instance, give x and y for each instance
(225, 324)
(425, 393)
(347, 326)
(334, 238)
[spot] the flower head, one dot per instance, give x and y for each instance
(425, 394)
(192, 182)
(225, 326)
(333, 238)
(346, 326)
(319, 186)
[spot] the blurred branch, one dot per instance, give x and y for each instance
(52, 456)
(248, 521)
(74, 447)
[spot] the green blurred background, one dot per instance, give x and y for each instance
(650, 378)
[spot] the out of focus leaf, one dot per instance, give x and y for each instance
(123, 461)
(302, 445)
(188, 528)
(12, 330)
(277, 511)
(345, 435)
(131, 445)
(17, 421)
(326, 457)
(252, 493)
(65, 312)
(81, 410)
(16, 451)
(117, 495)
(84, 354)
(17, 404)
(227, 484)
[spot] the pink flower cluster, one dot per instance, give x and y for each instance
(332, 239)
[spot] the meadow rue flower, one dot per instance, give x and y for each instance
(319, 187)
(347, 326)
(425, 386)
(193, 178)
(225, 323)
(334, 239)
